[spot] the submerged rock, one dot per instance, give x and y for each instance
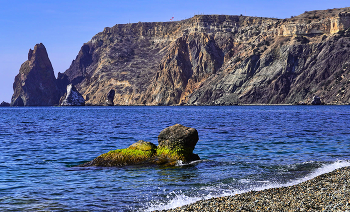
(72, 97)
(175, 143)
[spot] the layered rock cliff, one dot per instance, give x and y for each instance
(218, 60)
(35, 85)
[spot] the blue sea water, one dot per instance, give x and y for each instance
(242, 148)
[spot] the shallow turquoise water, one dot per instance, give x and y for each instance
(241, 147)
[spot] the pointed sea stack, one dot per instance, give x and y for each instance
(35, 85)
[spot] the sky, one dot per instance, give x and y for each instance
(63, 26)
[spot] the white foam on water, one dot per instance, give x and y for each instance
(181, 163)
(181, 199)
(322, 170)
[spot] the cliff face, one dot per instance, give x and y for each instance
(35, 85)
(218, 60)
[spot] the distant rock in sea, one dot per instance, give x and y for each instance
(4, 104)
(35, 85)
(316, 101)
(72, 97)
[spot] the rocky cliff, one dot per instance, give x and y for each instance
(35, 85)
(218, 60)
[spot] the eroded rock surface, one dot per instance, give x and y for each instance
(72, 97)
(35, 85)
(219, 60)
(110, 98)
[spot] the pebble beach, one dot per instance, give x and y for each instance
(326, 192)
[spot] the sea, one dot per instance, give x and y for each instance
(242, 148)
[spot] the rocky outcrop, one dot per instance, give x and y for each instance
(4, 104)
(35, 85)
(218, 60)
(72, 97)
(316, 101)
(175, 143)
(110, 98)
(179, 139)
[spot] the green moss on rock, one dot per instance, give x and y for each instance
(175, 154)
(138, 153)
(175, 143)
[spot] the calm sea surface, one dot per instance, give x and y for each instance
(241, 147)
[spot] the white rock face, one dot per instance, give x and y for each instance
(73, 97)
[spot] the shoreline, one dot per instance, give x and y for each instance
(326, 192)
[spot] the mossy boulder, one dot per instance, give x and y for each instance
(138, 153)
(175, 143)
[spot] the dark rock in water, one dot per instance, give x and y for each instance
(179, 140)
(110, 98)
(72, 97)
(35, 85)
(316, 101)
(4, 104)
(178, 136)
(177, 143)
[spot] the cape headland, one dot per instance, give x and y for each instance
(204, 60)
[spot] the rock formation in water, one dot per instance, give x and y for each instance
(72, 97)
(4, 104)
(35, 85)
(316, 101)
(218, 60)
(175, 143)
(180, 139)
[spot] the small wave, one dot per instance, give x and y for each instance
(322, 170)
(181, 199)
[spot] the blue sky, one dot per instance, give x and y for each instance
(63, 26)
